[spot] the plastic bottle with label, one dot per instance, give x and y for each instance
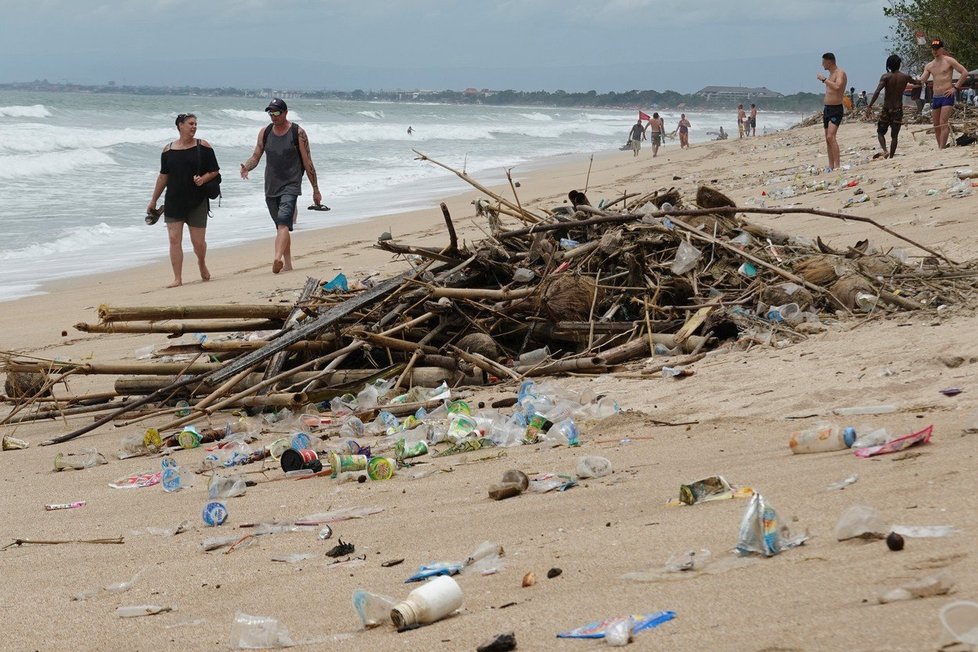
(429, 603)
(820, 438)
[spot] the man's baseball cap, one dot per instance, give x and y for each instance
(276, 105)
(937, 43)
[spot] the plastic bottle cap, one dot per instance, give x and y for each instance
(849, 436)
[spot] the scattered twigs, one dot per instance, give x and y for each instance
(55, 542)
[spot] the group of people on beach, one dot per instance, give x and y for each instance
(747, 124)
(188, 164)
(656, 129)
(893, 83)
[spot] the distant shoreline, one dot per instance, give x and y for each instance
(632, 99)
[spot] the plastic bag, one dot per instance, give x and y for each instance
(898, 444)
(638, 622)
(686, 257)
(761, 533)
(861, 521)
(373, 608)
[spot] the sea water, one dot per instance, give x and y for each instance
(77, 169)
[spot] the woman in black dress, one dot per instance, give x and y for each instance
(186, 165)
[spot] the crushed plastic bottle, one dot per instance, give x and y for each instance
(221, 487)
(686, 257)
(258, 633)
(373, 608)
(593, 466)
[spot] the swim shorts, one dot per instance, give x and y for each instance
(752, 122)
(656, 138)
(832, 113)
(282, 209)
(195, 217)
(889, 119)
(635, 144)
(941, 101)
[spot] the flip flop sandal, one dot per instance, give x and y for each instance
(152, 217)
(318, 207)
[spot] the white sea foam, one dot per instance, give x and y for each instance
(34, 111)
(542, 117)
(375, 115)
(20, 166)
(256, 116)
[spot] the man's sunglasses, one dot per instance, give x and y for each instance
(274, 113)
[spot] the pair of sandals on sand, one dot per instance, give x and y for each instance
(153, 216)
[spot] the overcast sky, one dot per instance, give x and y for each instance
(574, 45)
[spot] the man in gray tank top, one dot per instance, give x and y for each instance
(287, 146)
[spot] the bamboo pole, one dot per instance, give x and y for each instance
(181, 328)
(108, 313)
(484, 363)
(478, 293)
(118, 368)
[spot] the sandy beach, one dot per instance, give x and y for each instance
(741, 407)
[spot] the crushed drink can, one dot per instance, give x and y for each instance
(215, 513)
(701, 491)
(189, 438)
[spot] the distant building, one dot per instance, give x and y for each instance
(736, 92)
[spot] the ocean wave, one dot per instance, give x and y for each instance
(256, 116)
(51, 138)
(69, 241)
(33, 111)
(541, 117)
(376, 115)
(35, 165)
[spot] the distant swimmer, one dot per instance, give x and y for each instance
(891, 115)
(752, 120)
(942, 70)
(186, 165)
(410, 131)
(741, 120)
(835, 85)
(636, 136)
(684, 126)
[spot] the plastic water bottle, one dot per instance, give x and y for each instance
(565, 432)
(822, 437)
(428, 603)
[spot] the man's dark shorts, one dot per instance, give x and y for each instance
(940, 101)
(889, 119)
(832, 113)
(282, 209)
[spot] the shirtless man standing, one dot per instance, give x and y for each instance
(657, 129)
(942, 70)
(752, 120)
(891, 115)
(835, 84)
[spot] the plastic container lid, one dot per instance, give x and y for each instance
(849, 436)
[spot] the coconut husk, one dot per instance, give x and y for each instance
(672, 196)
(784, 293)
(818, 270)
(847, 287)
(569, 297)
(25, 384)
(878, 265)
(480, 343)
(707, 197)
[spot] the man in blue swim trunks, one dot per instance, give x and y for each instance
(835, 85)
(942, 70)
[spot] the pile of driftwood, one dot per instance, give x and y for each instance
(577, 288)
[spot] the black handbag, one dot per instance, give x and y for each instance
(212, 189)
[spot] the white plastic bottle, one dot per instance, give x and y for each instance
(428, 603)
(820, 438)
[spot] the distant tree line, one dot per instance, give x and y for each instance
(953, 21)
(633, 99)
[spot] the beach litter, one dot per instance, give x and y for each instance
(619, 629)
(925, 587)
(960, 620)
(258, 633)
(761, 533)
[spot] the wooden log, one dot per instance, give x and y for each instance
(325, 343)
(592, 364)
(181, 328)
(118, 368)
(639, 347)
(278, 311)
(140, 385)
